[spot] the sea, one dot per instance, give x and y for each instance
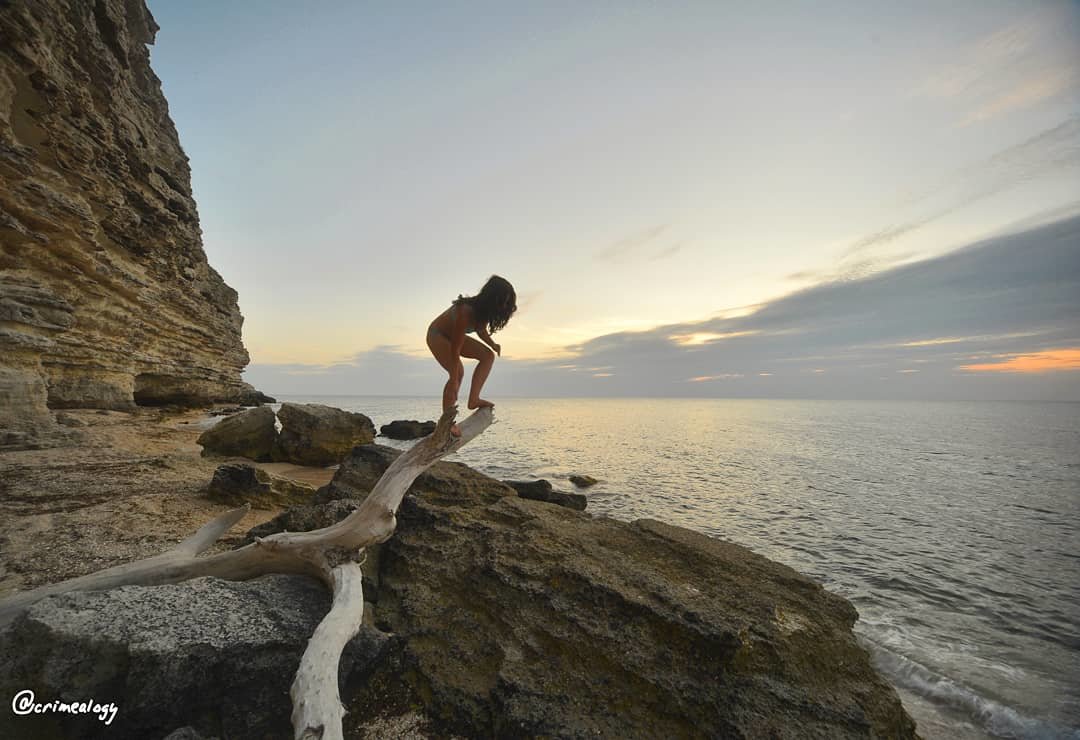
(953, 527)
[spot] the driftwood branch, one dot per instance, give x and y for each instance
(317, 709)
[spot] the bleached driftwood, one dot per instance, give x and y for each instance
(330, 554)
(317, 707)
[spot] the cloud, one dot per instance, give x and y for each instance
(1030, 61)
(886, 235)
(669, 252)
(384, 370)
(1054, 360)
(970, 321)
(694, 339)
(1015, 294)
(1047, 84)
(852, 270)
(978, 65)
(983, 338)
(1053, 150)
(624, 246)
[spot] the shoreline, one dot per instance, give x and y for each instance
(129, 485)
(148, 461)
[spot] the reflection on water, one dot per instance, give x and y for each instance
(952, 527)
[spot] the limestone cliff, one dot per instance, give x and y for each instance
(106, 296)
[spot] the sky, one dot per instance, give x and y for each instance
(776, 199)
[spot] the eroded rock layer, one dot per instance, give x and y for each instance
(106, 296)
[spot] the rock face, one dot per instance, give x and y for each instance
(407, 429)
(106, 297)
(251, 434)
(541, 490)
(312, 434)
(575, 627)
(519, 619)
(583, 481)
(210, 654)
(236, 484)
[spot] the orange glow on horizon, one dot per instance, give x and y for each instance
(1051, 360)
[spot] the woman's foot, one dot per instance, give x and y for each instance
(479, 403)
(455, 430)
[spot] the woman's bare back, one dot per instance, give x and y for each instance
(444, 322)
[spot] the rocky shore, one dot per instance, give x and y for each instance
(497, 609)
(124, 485)
(488, 614)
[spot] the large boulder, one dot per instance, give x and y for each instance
(365, 464)
(407, 429)
(516, 618)
(313, 434)
(541, 490)
(236, 484)
(251, 434)
(212, 655)
(572, 626)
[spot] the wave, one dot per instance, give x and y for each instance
(994, 717)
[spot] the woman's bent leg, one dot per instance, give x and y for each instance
(486, 358)
(443, 353)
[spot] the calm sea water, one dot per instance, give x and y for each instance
(952, 527)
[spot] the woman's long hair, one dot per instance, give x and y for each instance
(494, 304)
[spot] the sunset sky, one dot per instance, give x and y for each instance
(845, 199)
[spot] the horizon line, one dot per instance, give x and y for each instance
(690, 398)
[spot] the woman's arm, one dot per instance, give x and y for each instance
(482, 332)
(457, 334)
